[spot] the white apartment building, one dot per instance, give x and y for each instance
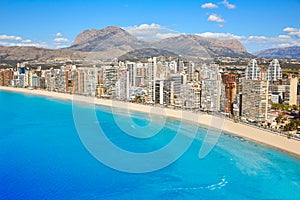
(274, 72)
(253, 71)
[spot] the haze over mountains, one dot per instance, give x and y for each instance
(114, 42)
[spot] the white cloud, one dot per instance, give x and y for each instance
(36, 44)
(143, 29)
(10, 37)
(289, 29)
(215, 18)
(256, 42)
(166, 35)
(59, 34)
(264, 42)
(10, 40)
(221, 36)
(292, 31)
(228, 5)
(151, 31)
(284, 45)
(209, 5)
(61, 40)
(61, 46)
(26, 41)
(3, 43)
(257, 38)
(277, 39)
(284, 37)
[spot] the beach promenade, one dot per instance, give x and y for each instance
(251, 133)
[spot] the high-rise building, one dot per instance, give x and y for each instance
(180, 65)
(131, 66)
(152, 70)
(42, 83)
(229, 83)
(35, 81)
(191, 71)
(61, 80)
(87, 81)
(190, 96)
(274, 72)
(169, 92)
(173, 67)
(50, 80)
(159, 91)
(255, 99)
(286, 89)
(6, 76)
(211, 87)
(123, 83)
(178, 81)
(141, 74)
(293, 91)
(253, 71)
(110, 78)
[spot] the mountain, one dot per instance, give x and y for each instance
(201, 47)
(113, 42)
(34, 53)
(109, 38)
(141, 54)
(118, 42)
(287, 52)
(16, 53)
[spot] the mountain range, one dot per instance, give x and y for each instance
(115, 42)
(287, 52)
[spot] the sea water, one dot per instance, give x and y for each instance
(42, 157)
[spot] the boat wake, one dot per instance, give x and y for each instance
(223, 182)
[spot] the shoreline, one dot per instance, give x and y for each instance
(290, 146)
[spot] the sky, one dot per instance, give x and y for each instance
(257, 24)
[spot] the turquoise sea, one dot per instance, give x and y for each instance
(42, 157)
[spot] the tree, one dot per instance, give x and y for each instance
(294, 107)
(293, 125)
(279, 118)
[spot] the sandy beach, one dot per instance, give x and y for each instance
(251, 133)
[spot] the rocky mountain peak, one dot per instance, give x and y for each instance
(89, 35)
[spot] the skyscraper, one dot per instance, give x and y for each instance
(152, 69)
(87, 80)
(274, 72)
(191, 71)
(293, 91)
(132, 73)
(122, 85)
(229, 83)
(211, 87)
(255, 99)
(110, 78)
(253, 70)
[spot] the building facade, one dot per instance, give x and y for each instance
(254, 103)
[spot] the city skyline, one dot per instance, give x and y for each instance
(257, 25)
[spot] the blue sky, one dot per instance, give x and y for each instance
(258, 24)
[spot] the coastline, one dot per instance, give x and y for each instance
(250, 133)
